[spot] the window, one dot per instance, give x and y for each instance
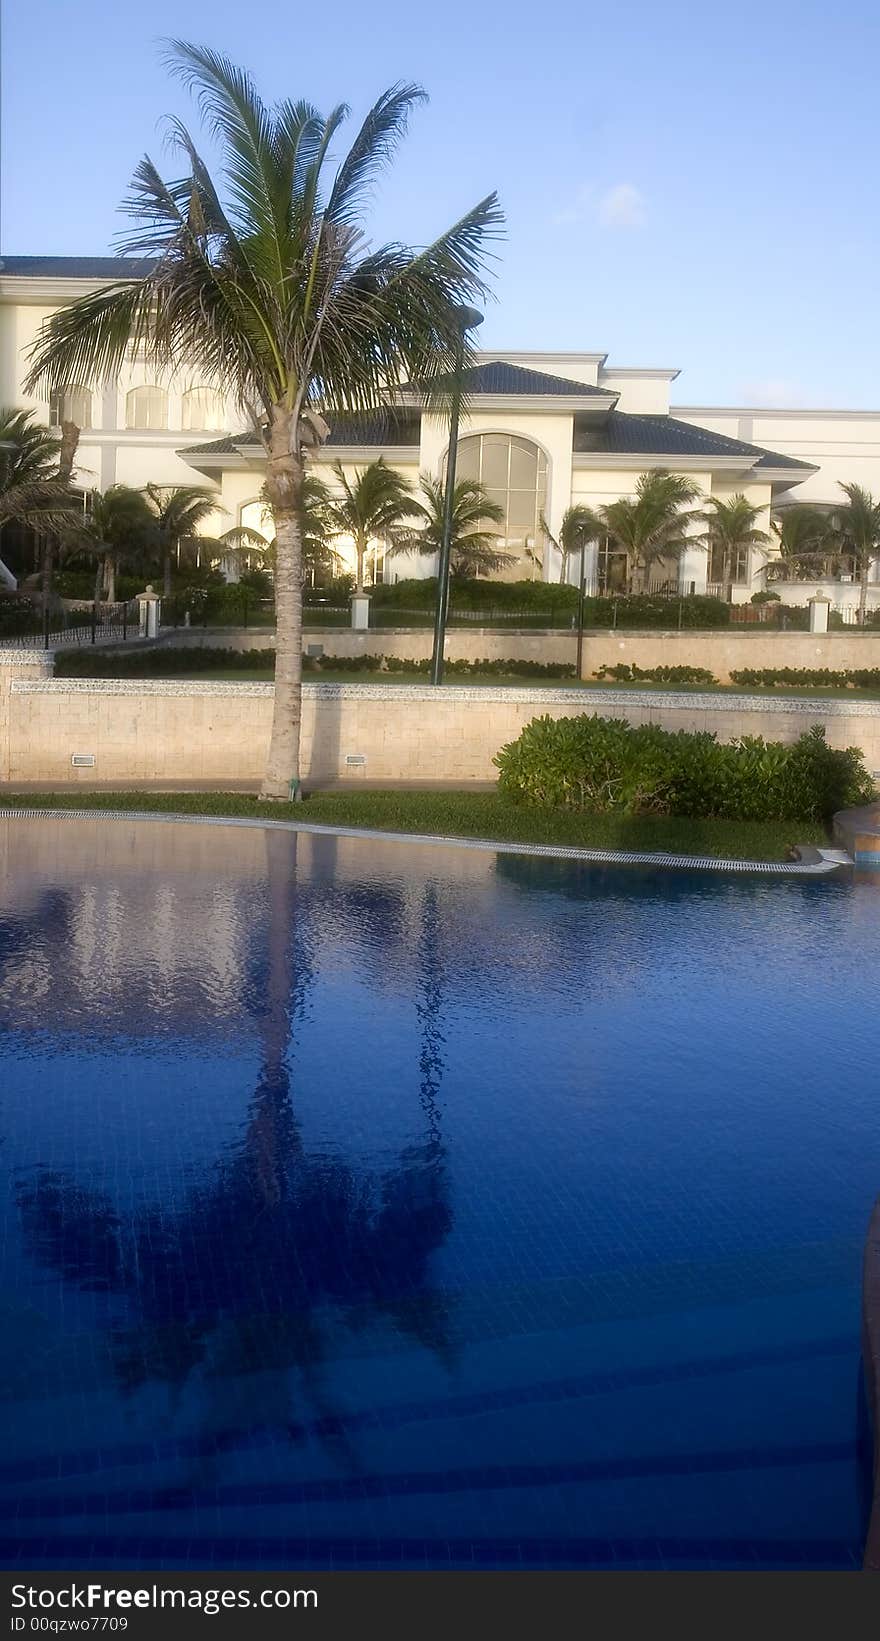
(514, 472)
(612, 569)
(203, 410)
(71, 404)
(146, 407)
(738, 569)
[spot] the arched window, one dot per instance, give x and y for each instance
(146, 407)
(514, 472)
(202, 410)
(71, 404)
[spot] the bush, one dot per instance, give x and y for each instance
(18, 617)
(765, 596)
(629, 673)
(642, 610)
(336, 593)
(164, 662)
(608, 766)
(809, 677)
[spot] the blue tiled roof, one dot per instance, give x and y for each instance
(383, 427)
(622, 433)
(512, 381)
(74, 267)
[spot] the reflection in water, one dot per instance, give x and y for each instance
(234, 1281)
(367, 1202)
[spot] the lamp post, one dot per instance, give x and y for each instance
(580, 614)
(468, 319)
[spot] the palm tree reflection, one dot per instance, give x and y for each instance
(246, 1287)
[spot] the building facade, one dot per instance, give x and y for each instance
(542, 431)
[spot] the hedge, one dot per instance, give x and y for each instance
(608, 766)
(809, 677)
(628, 673)
(169, 661)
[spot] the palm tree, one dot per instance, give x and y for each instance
(32, 491)
(580, 525)
(474, 549)
(277, 299)
(732, 530)
(373, 505)
(856, 532)
(120, 523)
(652, 525)
(803, 538)
(317, 554)
(178, 512)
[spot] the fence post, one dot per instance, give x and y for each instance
(94, 621)
(124, 621)
(614, 615)
(46, 627)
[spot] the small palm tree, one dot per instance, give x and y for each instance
(372, 506)
(31, 491)
(856, 532)
(580, 525)
(732, 528)
(275, 296)
(803, 539)
(652, 525)
(178, 511)
(119, 525)
(474, 550)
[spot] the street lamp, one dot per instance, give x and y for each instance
(468, 319)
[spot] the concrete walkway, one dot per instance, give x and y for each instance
(245, 786)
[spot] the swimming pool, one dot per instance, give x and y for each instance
(377, 1204)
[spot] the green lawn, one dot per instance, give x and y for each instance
(465, 815)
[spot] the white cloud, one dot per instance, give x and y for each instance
(623, 206)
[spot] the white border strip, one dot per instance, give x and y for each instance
(832, 861)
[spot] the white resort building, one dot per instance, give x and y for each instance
(543, 431)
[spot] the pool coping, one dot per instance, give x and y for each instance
(871, 1365)
(829, 860)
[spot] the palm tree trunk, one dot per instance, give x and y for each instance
(99, 577)
(284, 480)
(166, 572)
(360, 548)
(110, 578)
(863, 590)
(67, 453)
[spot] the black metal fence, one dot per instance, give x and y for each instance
(67, 628)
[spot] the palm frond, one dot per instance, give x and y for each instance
(372, 150)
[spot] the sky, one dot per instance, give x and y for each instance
(684, 185)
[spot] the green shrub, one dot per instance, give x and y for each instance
(336, 593)
(163, 662)
(809, 677)
(608, 766)
(18, 617)
(765, 596)
(628, 673)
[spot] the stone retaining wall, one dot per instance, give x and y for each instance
(154, 730)
(721, 651)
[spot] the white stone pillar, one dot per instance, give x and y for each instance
(819, 607)
(360, 611)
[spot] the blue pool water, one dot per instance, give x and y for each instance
(377, 1204)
